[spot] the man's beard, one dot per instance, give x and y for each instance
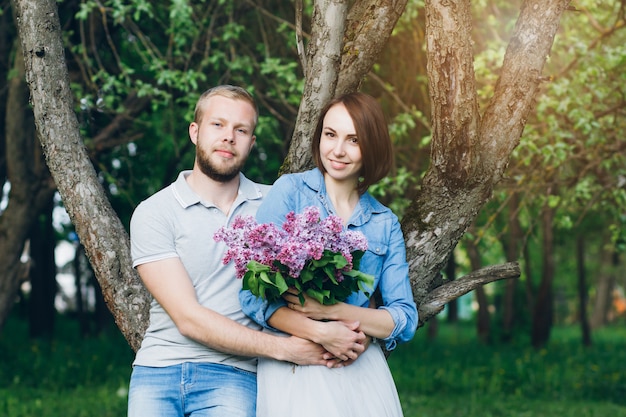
(209, 169)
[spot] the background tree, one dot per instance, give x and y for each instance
(569, 166)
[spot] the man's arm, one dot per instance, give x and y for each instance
(169, 284)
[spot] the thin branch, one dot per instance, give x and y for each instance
(436, 300)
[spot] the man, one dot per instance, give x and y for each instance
(198, 357)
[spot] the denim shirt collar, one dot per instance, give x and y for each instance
(368, 205)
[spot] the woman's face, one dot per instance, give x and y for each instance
(339, 145)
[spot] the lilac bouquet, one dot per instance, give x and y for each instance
(316, 257)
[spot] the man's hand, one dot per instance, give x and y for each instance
(304, 352)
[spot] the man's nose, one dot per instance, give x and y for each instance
(229, 136)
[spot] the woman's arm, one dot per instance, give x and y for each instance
(396, 320)
(344, 340)
(373, 322)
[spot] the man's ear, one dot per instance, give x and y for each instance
(193, 132)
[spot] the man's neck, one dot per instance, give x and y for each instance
(221, 194)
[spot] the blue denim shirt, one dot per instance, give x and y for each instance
(385, 257)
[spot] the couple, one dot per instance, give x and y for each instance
(199, 355)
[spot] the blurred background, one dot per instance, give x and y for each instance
(137, 69)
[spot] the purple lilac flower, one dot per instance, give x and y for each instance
(302, 237)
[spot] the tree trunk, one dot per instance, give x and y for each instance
(344, 46)
(543, 311)
(42, 275)
(321, 69)
(582, 291)
(604, 288)
(515, 239)
(469, 155)
(82, 313)
(30, 186)
(483, 321)
(100, 230)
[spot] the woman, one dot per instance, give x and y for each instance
(352, 150)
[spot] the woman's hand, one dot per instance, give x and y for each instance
(311, 308)
(343, 341)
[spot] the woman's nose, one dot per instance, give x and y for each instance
(339, 148)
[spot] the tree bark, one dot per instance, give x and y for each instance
(436, 299)
(321, 70)
(100, 230)
(6, 43)
(469, 155)
(344, 46)
(368, 28)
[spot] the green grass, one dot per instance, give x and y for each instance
(451, 376)
(454, 375)
(65, 377)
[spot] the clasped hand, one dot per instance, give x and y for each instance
(343, 340)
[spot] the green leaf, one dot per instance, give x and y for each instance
(319, 295)
(281, 284)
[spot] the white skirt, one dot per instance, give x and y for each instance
(364, 388)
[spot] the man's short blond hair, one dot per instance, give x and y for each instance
(229, 91)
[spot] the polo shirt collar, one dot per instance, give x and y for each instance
(248, 190)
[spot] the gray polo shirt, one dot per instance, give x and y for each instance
(174, 222)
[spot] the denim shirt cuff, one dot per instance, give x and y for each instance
(396, 334)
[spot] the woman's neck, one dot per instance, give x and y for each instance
(343, 196)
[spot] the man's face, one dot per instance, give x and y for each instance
(223, 138)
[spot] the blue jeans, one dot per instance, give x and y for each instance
(192, 389)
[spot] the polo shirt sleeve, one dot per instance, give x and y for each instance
(151, 235)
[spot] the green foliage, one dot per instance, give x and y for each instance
(395, 191)
(138, 68)
(570, 158)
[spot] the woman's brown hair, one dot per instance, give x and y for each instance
(372, 134)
